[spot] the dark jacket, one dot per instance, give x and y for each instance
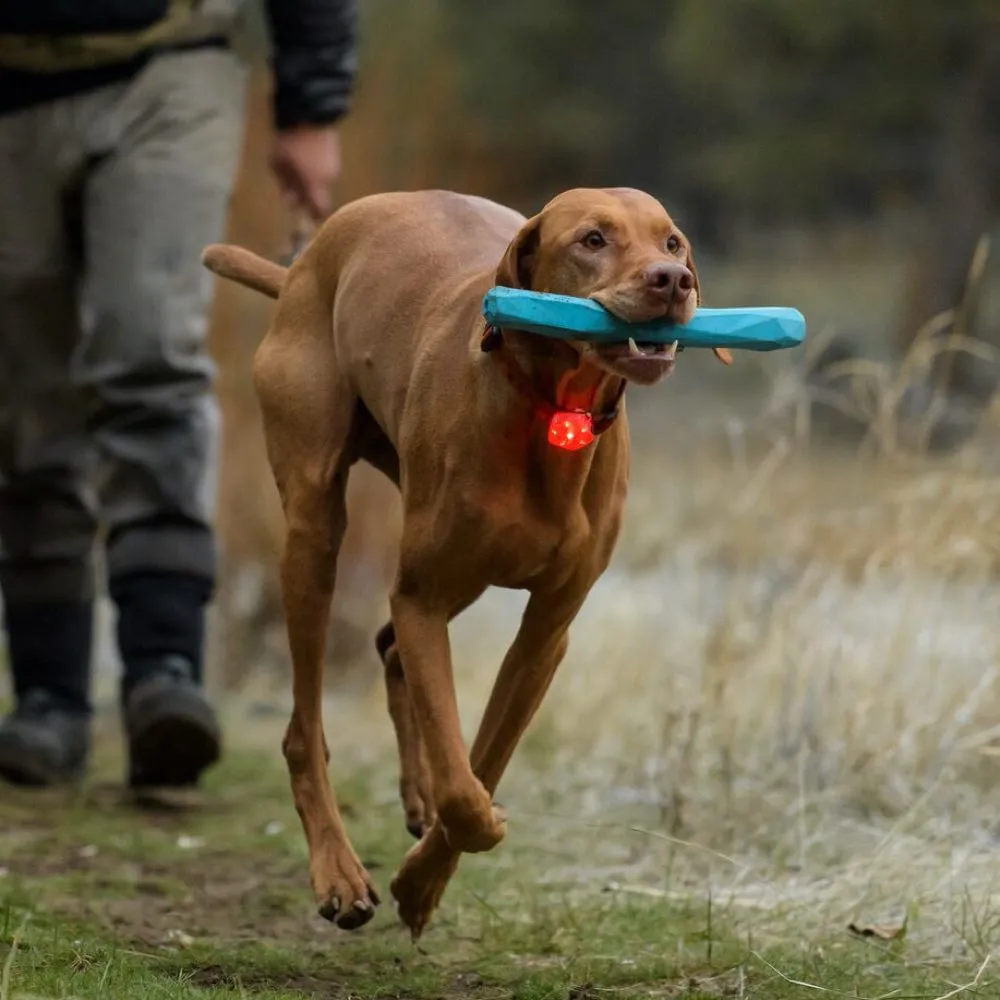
(54, 48)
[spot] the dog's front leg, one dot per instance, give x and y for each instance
(525, 676)
(465, 810)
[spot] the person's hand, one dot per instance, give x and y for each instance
(306, 162)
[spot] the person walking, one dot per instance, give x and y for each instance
(121, 127)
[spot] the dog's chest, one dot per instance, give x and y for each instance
(519, 542)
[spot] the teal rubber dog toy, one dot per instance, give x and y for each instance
(755, 328)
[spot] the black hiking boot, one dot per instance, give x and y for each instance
(172, 730)
(43, 742)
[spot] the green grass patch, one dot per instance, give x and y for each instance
(101, 899)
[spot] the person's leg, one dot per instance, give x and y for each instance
(157, 192)
(46, 519)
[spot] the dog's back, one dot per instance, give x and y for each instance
(413, 244)
(457, 231)
(396, 262)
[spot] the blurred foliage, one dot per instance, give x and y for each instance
(786, 110)
(782, 109)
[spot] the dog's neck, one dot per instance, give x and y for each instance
(557, 480)
(553, 372)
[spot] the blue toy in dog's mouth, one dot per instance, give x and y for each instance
(755, 328)
(765, 328)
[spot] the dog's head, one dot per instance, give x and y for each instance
(619, 247)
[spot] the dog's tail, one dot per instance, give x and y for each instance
(245, 267)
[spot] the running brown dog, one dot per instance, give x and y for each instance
(377, 353)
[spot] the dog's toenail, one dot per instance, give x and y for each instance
(357, 916)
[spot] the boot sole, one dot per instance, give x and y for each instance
(171, 744)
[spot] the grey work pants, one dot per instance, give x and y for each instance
(107, 416)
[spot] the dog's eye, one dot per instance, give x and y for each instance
(594, 240)
(673, 244)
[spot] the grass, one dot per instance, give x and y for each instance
(209, 900)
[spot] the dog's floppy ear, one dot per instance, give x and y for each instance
(720, 352)
(517, 268)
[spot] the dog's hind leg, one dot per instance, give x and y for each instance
(414, 776)
(415, 787)
(308, 411)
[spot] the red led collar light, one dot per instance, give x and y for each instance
(571, 430)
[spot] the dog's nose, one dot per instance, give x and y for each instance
(669, 280)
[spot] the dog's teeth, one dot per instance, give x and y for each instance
(633, 347)
(672, 351)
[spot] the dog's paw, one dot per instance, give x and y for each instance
(344, 893)
(422, 879)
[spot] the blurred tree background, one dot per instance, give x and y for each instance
(746, 116)
(843, 157)
(751, 114)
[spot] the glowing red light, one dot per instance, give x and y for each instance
(570, 431)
